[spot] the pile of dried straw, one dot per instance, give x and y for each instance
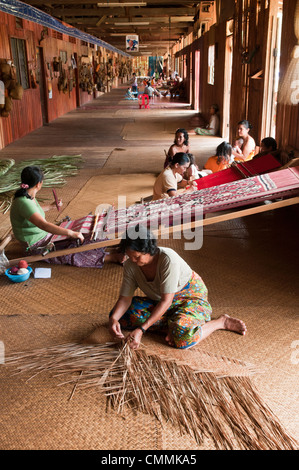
(221, 404)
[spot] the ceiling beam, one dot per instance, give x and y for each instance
(161, 19)
(120, 12)
(121, 23)
(94, 2)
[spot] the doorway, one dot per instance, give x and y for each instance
(275, 78)
(196, 80)
(41, 78)
(227, 83)
(272, 64)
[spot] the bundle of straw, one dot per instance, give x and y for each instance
(288, 91)
(225, 408)
(55, 169)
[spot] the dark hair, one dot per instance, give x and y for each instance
(191, 158)
(216, 107)
(179, 158)
(270, 142)
(223, 152)
(139, 238)
(186, 135)
(30, 176)
(245, 123)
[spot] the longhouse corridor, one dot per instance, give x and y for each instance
(249, 266)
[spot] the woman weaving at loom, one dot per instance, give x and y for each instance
(176, 301)
(32, 230)
(171, 178)
(221, 160)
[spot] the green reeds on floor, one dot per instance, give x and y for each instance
(218, 402)
(55, 169)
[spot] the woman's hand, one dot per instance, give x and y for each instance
(51, 206)
(76, 235)
(54, 205)
(134, 338)
(115, 329)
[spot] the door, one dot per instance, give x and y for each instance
(41, 79)
(77, 79)
(196, 80)
(227, 86)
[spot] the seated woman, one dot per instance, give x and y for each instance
(171, 178)
(213, 126)
(268, 145)
(150, 91)
(248, 146)
(176, 301)
(221, 160)
(181, 144)
(32, 230)
(130, 95)
(178, 88)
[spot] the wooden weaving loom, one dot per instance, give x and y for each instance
(279, 184)
(238, 171)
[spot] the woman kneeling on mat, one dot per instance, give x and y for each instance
(33, 231)
(176, 301)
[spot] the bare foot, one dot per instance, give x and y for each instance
(169, 341)
(234, 324)
(115, 257)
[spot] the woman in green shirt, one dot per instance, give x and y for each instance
(34, 232)
(176, 299)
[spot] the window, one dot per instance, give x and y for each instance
(211, 64)
(18, 50)
(19, 23)
(57, 35)
(63, 56)
(206, 8)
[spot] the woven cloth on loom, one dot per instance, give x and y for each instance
(170, 211)
(257, 166)
(217, 198)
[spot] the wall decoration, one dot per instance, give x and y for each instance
(132, 42)
(12, 89)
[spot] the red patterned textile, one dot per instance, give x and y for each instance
(238, 171)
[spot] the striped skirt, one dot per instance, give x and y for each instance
(85, 259)
(182, 322)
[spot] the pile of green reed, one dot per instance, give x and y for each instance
(56, 169)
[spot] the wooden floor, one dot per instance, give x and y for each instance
(249, 265)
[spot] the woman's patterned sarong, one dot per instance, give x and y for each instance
(182, 322)
(203, 131)
(85, 259)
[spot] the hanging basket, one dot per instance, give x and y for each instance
(16, 93)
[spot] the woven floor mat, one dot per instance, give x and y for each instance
(106, 189)
(40, 415)
(239, 262)
(137, 160)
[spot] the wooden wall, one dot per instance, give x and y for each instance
(252, 74)
(250, 48)
(26, 115)
(287, 130)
